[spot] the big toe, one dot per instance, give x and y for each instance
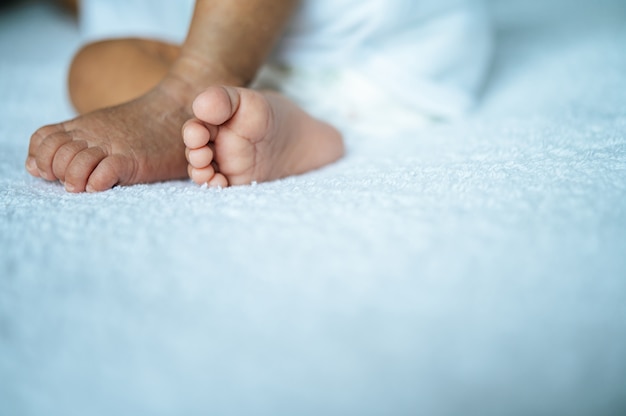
(217, 104)
(43, 155)
(35, 143)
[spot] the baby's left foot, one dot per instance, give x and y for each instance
(242, 136)
(134, 142)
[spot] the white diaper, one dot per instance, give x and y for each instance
(430, 54)
(424, 57)
(344, 97)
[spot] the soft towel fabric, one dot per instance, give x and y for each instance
(430, 56)
(469, 268)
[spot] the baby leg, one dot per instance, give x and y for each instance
(111, 72)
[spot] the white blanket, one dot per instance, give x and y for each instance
(476, 267)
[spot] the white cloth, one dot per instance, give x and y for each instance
(427, 55)
(431, 54)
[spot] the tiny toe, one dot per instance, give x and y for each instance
(218, 181)
(81, 167)
(31, 166)
(200, 158)
(195, 134)
(46, 151)
(202, 176)
(64, 156)
(112, 170)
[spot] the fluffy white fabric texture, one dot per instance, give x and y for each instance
(472, 268)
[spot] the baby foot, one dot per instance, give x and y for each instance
(136, 142)
(242, 136)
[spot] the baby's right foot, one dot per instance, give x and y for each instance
(242, 136)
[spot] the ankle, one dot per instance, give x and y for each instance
(191, 74)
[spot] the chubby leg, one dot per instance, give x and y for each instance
(139, 141)
(112, 72)
(240, 136)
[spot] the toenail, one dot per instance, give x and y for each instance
(89, 189)
(69, 187)
(43, 174)
(31, 164)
